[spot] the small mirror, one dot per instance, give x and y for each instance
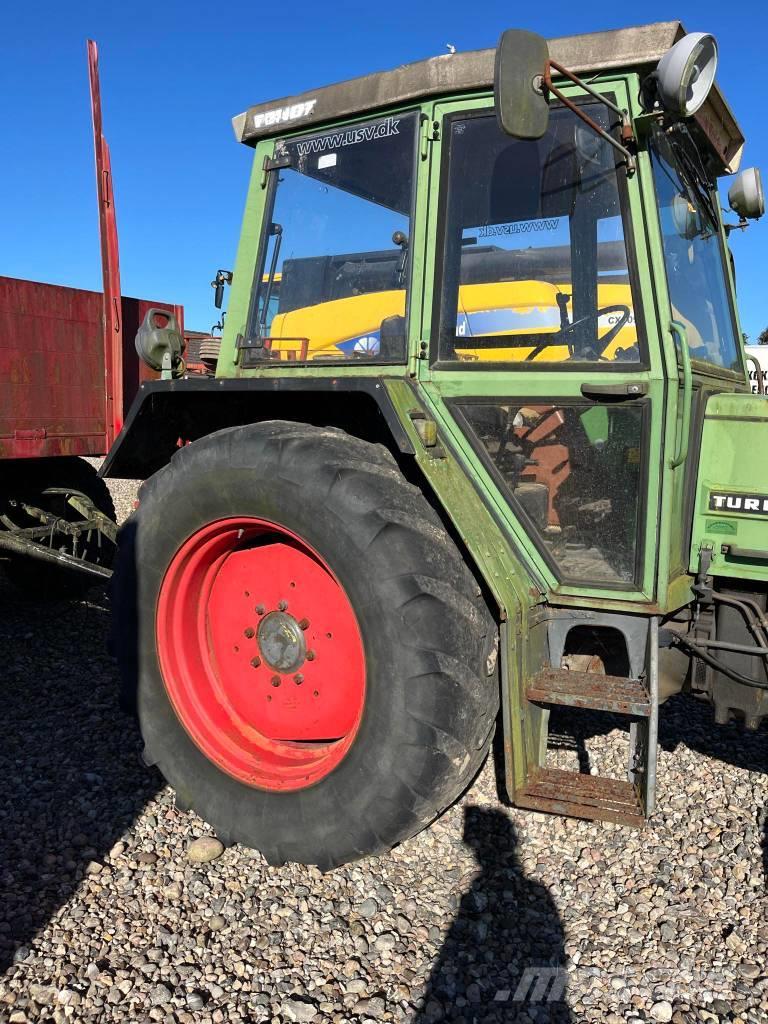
(746, 196)
(222, 277)
(521, 101)
(684, 217)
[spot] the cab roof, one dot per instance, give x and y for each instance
(627, 49)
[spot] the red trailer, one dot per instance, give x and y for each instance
(68, 370)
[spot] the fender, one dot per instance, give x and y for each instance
(166, 414)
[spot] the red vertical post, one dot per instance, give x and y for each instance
(110, 261)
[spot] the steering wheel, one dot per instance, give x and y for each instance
(604, 342)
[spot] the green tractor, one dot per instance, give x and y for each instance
(479, 442)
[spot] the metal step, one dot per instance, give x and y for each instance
(590, 690)
(582, 796)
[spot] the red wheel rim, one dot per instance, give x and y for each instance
(260, 653)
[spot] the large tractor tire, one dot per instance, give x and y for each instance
(314, 661)
(39, 483)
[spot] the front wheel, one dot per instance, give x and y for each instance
(311, 655)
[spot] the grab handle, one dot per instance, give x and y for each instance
(758, 373)
(685, 427)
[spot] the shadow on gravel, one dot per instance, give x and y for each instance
(502, 960)
(683, 721)
(72, 782)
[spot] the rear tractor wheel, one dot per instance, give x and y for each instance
(309, 651)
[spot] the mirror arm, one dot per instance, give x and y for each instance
(626, 127)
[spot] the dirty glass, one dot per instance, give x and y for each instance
(535, 259)
(693, 251)
(332, 279)
(573, 475)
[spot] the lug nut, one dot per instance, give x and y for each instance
(256, 662)
(304, 624)
(310, 655)
(275, 680)
(260, 609)
(282, 606)
(298, 679)
(249, 632)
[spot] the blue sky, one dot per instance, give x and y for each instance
(173, 74)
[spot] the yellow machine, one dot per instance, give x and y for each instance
(351, 325)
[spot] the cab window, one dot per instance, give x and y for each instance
(573, 472)
(693, 250)
(332, 277)
(535, 266)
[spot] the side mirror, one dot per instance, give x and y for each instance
(684, 217)
(746, 196)
(222, 277)
(518, 84)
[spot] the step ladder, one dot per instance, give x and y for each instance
(579, 795)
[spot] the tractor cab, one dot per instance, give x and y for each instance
(545, 256)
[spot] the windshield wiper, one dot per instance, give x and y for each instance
(692, 172)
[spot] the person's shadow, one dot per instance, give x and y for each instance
(504, 957)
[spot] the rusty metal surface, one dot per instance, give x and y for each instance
(112, 320)
(591, 690)
(52, 369)
(19, 544)
(593, 797)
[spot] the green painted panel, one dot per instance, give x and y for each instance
(731, 510)
(505, 574)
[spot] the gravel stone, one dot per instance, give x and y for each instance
(452, 925)
(205, 849)
(662, 1011)
(368, 908)
(298, 1010)
(160, 995)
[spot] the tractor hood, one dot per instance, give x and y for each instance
(731, 499)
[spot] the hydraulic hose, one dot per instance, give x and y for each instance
(718, 665)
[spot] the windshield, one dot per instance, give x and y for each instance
(535, 259)
(693, 251)
(332, 279)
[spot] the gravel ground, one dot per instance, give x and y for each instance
(490, 915)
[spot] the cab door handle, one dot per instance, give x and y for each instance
(620, 391)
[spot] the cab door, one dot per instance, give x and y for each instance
(697, 313)
(536, 358)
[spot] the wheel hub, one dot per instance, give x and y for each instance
(261, 653)
(281, 642)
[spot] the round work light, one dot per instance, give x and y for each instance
(746, 196)
(686, 72)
